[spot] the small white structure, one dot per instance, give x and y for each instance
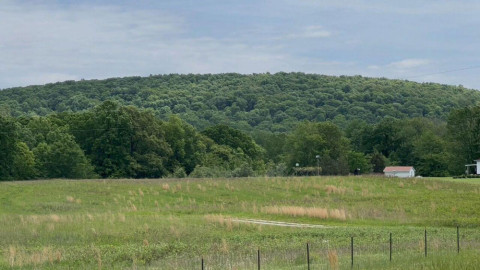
(478, 165)
(399, 171)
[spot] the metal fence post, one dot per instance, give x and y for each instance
(258, 259)
(203, 266)
(425, 242)
(308, 257)
(351, 249)
(390, 246)
(458, 240)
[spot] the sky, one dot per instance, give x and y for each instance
(425, 41)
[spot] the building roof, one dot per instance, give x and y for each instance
(398, 169)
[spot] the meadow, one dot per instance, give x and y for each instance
(174, 223)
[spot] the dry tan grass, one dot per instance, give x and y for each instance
(434, 186)
(98, 257)
(421, 245)
(229, 187)
(337, 214)
(333, 259)
(174, 231)
(70, 199)
(244, 206)
(12, 252)
(401, 185)
(335, 190)
(224, 247)
(165, 186)
(20, 257)
(223, 221)
(202, 188)
(55, 218)
(433, 206)
(121, 217)
(298, 211)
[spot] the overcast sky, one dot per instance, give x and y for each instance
(50, 41)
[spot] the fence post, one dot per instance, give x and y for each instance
(351, 249)
(308, 257)
(425, 242)
(203, 267)
(458, 240)
(390, 246)
(258, 259)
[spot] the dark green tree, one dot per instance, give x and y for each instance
(8, 144)
(464, 136)
(188, 146)
(122, 141)
(358, 160)
(23, 162)
(323, 139)
(225, 135)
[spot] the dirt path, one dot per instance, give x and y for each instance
(279, 223)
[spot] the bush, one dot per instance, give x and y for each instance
(244, 170)
(279, 169)
(178, 172)
(208, 172)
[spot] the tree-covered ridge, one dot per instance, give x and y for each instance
(270, 102)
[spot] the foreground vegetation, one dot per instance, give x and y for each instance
(173, 223)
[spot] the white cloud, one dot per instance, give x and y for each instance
(41, 43)
(409, 63)
(407, 7)
(50, 43)
(47, 42)
(313, 31)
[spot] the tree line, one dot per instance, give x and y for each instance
(116, 141)
(267, 102)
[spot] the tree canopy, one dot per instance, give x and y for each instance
(235, 125)
(257, 102)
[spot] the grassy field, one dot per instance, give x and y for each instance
(173, 223)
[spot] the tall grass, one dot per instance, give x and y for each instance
(170, 224)
(313, 212)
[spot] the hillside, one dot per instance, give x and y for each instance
(273, 102)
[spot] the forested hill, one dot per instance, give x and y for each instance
(274, 102)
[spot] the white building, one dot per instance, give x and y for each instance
(478, 165)
(400, 171)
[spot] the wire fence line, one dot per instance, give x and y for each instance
(355, 252)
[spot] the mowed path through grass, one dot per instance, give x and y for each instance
(172, 223)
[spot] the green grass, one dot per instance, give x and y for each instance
(173, 223)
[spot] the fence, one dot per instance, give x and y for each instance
(358, 254)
